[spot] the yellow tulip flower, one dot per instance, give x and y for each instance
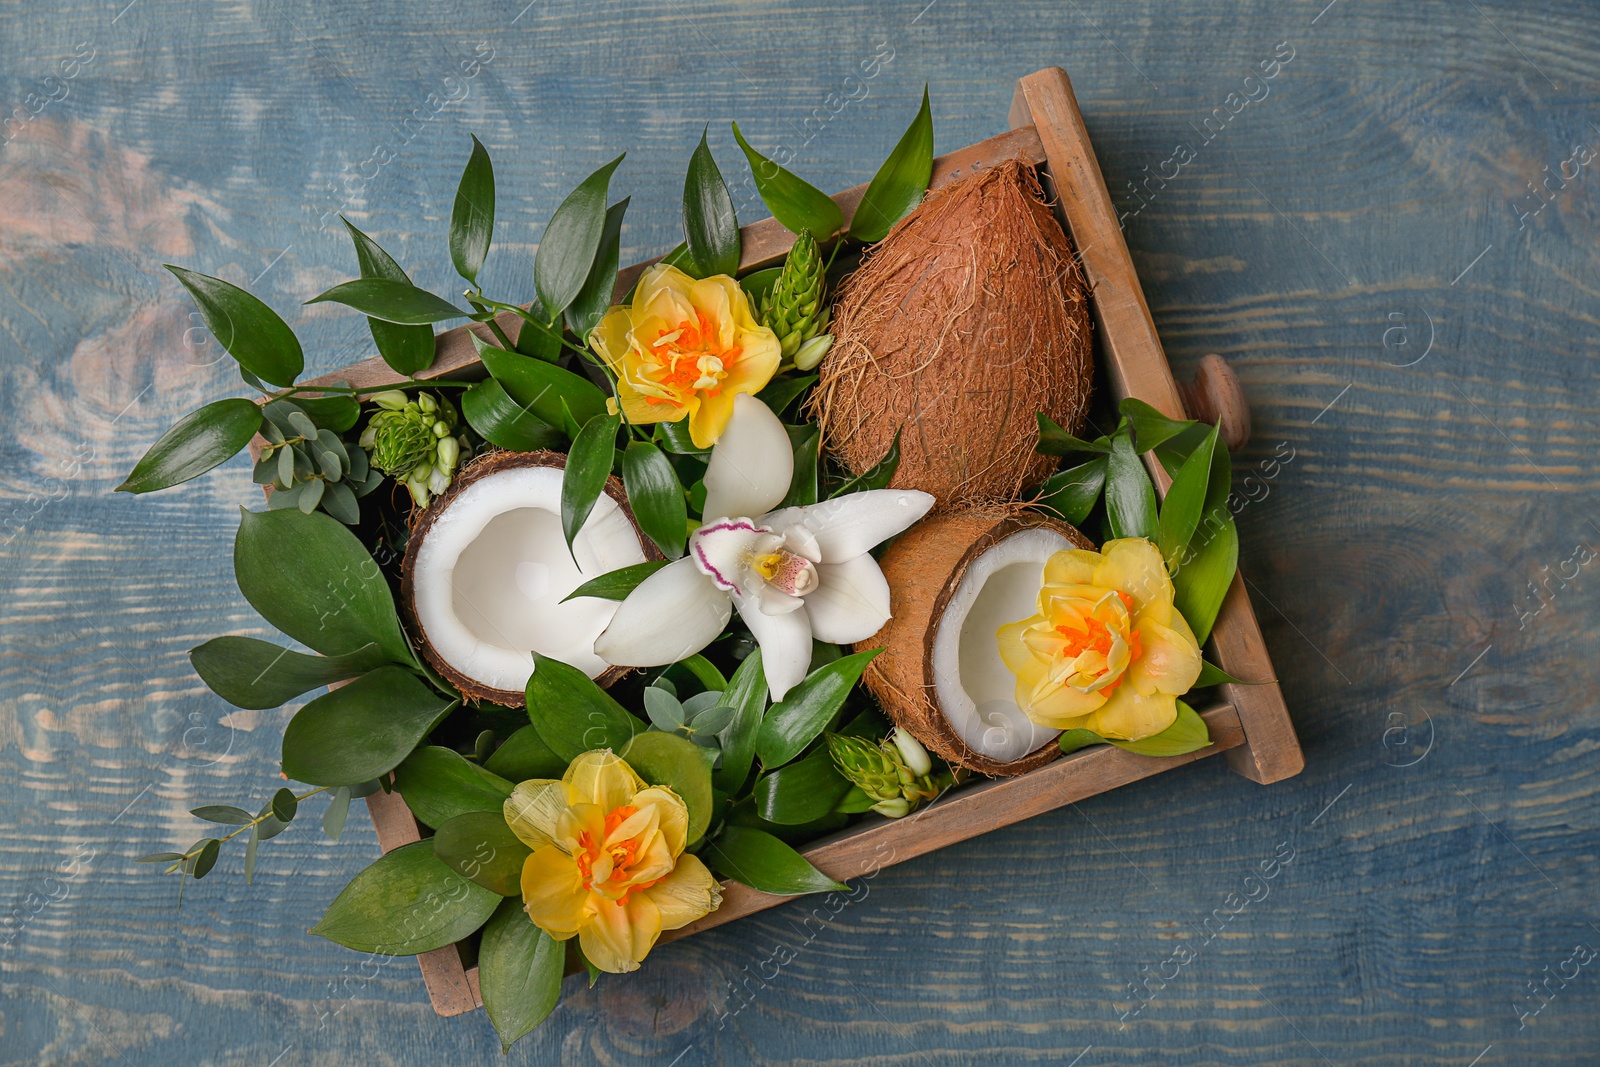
(685, 349)
(1107, 651)
(608, 864)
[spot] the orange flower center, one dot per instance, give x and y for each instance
(690, 359)
(1092, 645)
(622, 854)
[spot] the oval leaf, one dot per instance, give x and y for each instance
(407, 349)
(762, 862)
(405, 903)
(570, 240)
(1130, 498)
(480, 846)
(588, 467)
(440, 784)
(802, 791)
(361, 730)
(258, 675)
(472, 218)
(1072, 493)
(201, 440)
(247, 329)
(524, 755)
(284, 805)
(572, 714)
(520, 968)
(391, 301)
(656, 496)
(226, 814)
(710, 227)
(589, 306)
(806, 710)
(796, 204)
(501, 421)
(900, 183)
(672, 761)
(541, 387)
(617, 584)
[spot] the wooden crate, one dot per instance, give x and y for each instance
(1251, 726)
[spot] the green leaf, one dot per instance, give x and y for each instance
(258, 675)
(406, 349)
(878, 476)
(1130, 498)
(405, 903)
(571, 239)
(207, 858)
(807, 708)
(480, 846)
(802, 791)
(900, 183)
(501, 421)
(541, 387)
(524, 756)
(1054, 441)
(539, 343)
(710, 226)
(391, 301)
(756, 285)
(520, 968)
(310, 577)
(1187, 734)
(674, 437)
(572, 714)
(1202, 581)
(588, 466)
(250, 856)
(250, 331)
(440, 784)
(201, 440)
(779, 393)
(226, 814)
(338, 810)
(1072, 493)
(160, 857)
(764, 863)
(589, 306)
(1150, 427)
(679, 257)
(806, 440)
(362, 730)
(672, 761)
(796, 204)
(1180, 511)
(472, 218)
(746, 694)
(1211, 674)
(706, 672)
(284, 805)
(617, 584)
(656, 496)
(336, 413)
(854, 802)
(1072, 740)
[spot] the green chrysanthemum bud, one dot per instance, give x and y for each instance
(796, 307)
(898, 778)
(412, 443)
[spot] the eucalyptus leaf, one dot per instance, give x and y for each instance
(361, 730)
(247, 329)
(588, 466)
(796, 204)
(439, 784)
(572, 714)
(710, 227)
(1130, 498)
(226, 814)
(663, 708)
(672, 761)
(472, 217)
(339, 500)
(207, 858)
(520, 968)
(571, 239)
(656, 497)
(803, 791)
(391, 301)
(338, 810)
(617, 584)
(762, 862)
(201, 440)
(284, 805)
(406, 349)
(589, 306)
(807, 708)
(1072, 493)
(501, 421)
(480, 846)
(900, 183)
(405, 903)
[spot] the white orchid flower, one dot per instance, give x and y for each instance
(794, 574)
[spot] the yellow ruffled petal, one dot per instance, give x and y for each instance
(602, 778)
(553, 894)
(621, 935)
(533, 809)
(1058, 707)
(1131, 716)
(1134, 566)
(1170, 659)
(709, 418)
(662, 279)
(687, 894)
(1014, 650)
(672, 813)
(1073, 566)
(610, 339)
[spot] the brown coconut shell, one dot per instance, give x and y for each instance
(969, 317)
(483, 466)
(924, 567)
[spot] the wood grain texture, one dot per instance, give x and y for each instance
(1398, 505)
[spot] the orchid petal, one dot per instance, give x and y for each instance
(751, 463)
(722, 551)
(849, 526)
(785, 642)
(670, 616)
(850, 603)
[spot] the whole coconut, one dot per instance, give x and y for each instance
(969, 317)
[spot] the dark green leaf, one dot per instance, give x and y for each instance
(805, 790)
(796, 204)
(878, 476)
(900, 182)
(1187, 734)
(1054, 441)
(284, 805)
(744, 814)
(764, 863)
(758, 283)
(674, 437)
(672, 761)
(405, 903)
(807, 708)
(247, 329)
(571, 239)
(160, 857)
(706, 672)
(532, 340)
(679, 257)
(541, 387)
(520, 968)
(361, 730)
(709, 223)
(339, 500)
(656, 496)
(310, 577)
(207, 858)
(249, 673)
(226, 814)
(588, 466)
(854, 802)
(782, 392)
(1130, 498)
(338, 810)
(440, 784)
(407, 349)
(589, 306)
(617, 584)
(1180, 511)
(1202, 581)
(805, 440)
(250, 856)
(391, 301)
(335, 413)
(502, 421)
(572, 714)
(523, 756)
(746, 694)
(472, 218)
(1150, 427)
(1072, 493)
(201, 440)
(480, 846)
(1211, 674)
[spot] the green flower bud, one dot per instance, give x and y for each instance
(390, 400)
(811, 353)
(413, 443)
(795, 308)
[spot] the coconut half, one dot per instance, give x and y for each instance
(954, 580)
(487, 568)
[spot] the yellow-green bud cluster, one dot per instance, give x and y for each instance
(413, 440)
(896, 771)
(796, 307)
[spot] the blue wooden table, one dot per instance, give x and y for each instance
(1394, 242)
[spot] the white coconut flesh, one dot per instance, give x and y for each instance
(493, 568)
(975, 689)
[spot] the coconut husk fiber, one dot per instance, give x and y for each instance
(969, 317)
(924, 567)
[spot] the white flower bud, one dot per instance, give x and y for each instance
(812, 351)
(912, 752)
(427, 403)
(439, 480)
(449, 453)
(390, 400)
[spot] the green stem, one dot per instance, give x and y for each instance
(476, 302)
(537, 323)
(340, 390)
(251, 825)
